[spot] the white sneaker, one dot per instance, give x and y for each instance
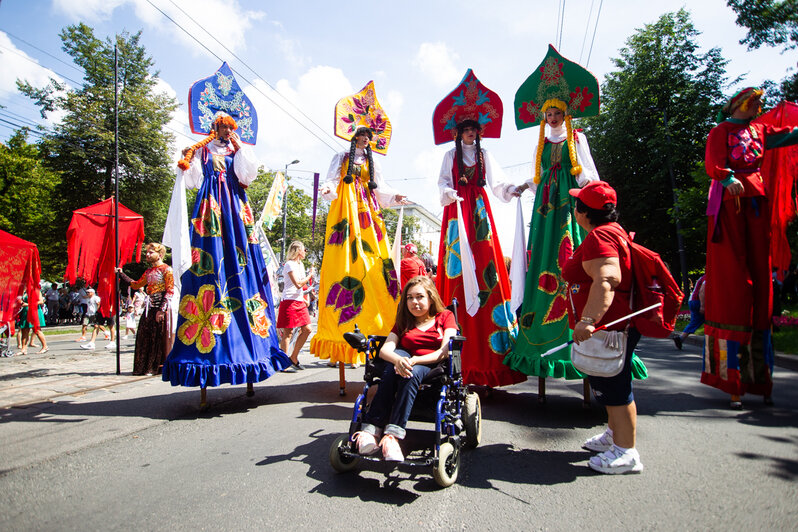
(89, 345)
(616, 462)
(366, 443)
(110, 345)
(125, 337)
(600, 442)
(391, 451)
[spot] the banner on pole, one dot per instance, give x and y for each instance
(274, 203)
(315, 204)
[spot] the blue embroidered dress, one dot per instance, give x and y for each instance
(225, 328)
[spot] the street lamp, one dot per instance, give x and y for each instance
(285, 204)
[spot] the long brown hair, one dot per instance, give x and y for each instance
(404, 318)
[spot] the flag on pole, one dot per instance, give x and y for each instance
(274, 203)
(315, 204)
(396, 250)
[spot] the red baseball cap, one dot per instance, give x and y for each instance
(411, 248)
(595, 194)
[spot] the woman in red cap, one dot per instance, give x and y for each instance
(411, 264)
(599, 280)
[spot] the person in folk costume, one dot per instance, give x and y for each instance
(470, 112)
(226, 325)
(738, 348)
(153, 339)
(358, 282)
(557, 91)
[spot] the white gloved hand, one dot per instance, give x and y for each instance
(449, 197)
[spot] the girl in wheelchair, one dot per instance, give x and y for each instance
(418, 341)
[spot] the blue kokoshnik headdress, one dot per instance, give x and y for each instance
(221, 94)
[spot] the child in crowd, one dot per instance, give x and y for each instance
(130, 322)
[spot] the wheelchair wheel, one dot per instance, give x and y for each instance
(472, 420)
(338, 462)
(445, 471)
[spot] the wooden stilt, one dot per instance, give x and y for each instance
(585, 393)
(250, 389)
(203, 398)
(542, 390)
(341, 379)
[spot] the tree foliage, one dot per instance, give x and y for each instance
(657, 109)
(81, 147)
(26, 200)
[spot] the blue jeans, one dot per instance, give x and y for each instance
(394, 400)
(696, 318)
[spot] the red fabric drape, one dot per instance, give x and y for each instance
(90, 246)
(779, 170)
(21, 271)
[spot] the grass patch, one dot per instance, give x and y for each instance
(56, 332)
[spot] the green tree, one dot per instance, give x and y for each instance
(81, 147)
(26, 200)
(657, 109)
(772, 23)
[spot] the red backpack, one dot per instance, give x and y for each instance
(652, 284)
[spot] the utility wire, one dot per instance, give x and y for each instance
(272, 87)
(598, 14)
(587, 29)
(562, 21)
(42, 51)
(336, 149)
(26, 58)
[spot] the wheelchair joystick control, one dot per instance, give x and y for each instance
(356, 339)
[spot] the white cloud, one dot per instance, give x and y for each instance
(87, 10)
(393, 103)
(438, 63)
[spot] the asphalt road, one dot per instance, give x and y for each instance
(142, 456)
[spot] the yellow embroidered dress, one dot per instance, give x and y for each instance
(358, 281)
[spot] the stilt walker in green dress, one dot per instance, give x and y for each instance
(557, 91)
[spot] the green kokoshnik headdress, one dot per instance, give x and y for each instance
(556, 82)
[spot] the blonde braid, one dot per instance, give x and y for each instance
(185, 162)
(575, 168)
(539, 153)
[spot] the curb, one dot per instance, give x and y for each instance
(780, 359)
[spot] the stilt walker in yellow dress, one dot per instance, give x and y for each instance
(358, 282)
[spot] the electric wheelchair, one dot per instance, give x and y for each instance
(442, 399)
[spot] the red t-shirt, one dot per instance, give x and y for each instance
(410, 267)
(418, 342)
(607, 240)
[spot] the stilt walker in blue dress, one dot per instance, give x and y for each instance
(226, 324)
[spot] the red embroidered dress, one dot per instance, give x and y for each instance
(492, 330)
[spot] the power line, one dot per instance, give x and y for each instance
(587, 29)
(272, 87)
(561, 21)
(598, 14)
(26, 58)
(42, 51)
(336, 149)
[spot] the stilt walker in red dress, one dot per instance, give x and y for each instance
(738, 350)
(470, 260)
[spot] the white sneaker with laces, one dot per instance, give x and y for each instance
(366, 442)
(616, 462)
(89, 345)
(391, 450)
(110, 345)
(600, 442)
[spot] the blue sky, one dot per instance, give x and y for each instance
(315, 52)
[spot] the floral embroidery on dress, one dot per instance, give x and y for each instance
(204, 320)
(389, 274)
(742, 146)
(454, 267)
(258, 317)
(201, 262)
(207, 223)
(249, 221)
(340, 232)
(503, 339)
(483, 230)
(553, 284)
(347, 295)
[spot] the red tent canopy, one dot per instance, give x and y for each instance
(21, 272)
(90, 241)
(779, 170)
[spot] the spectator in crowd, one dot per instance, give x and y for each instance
(696, 304)
(94, 317)
(52, 297)
(411, 265)
(293, 312)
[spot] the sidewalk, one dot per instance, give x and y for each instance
(65, 369)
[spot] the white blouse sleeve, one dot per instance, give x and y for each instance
(193, 176)
(585, 160)
(245, 165)
(333, 176)
(446, 181)
(497, 179)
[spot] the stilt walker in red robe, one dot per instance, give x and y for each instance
(738, 350)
